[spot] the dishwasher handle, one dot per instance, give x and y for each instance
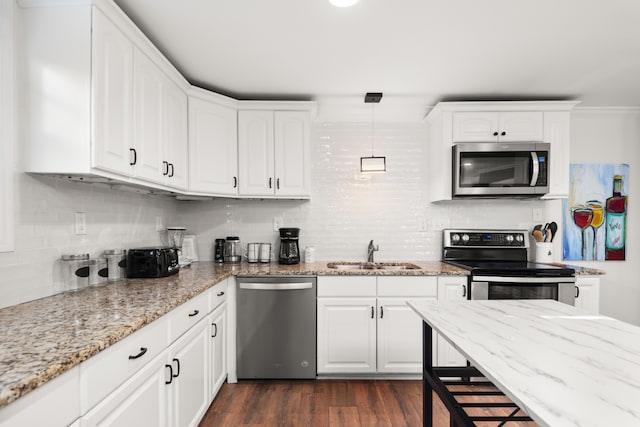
(276, 286)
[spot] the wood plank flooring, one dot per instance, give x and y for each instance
(320, 403)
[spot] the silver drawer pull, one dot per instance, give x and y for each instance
(276, 286)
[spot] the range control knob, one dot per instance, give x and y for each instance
(465, 238)
(519, 238)
(509, 238)
(455, 238)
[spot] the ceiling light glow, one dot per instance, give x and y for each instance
(343, 3)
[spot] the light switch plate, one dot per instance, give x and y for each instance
(277, 223)
(81, 223)
(159, 223)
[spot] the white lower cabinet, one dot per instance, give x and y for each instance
(346, 334)
(166, 374)
(218, 350)
(140, 401)
(187, 391)
(450, 288)
(365, 325)
(588, 294)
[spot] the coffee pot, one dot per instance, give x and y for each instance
(289, 250)
(232, 249)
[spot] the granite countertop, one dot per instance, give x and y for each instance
(565, 367)
(46, 337)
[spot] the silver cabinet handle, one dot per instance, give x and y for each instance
(536, 168)
(276, 286)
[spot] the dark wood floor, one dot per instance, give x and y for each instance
(331, 403)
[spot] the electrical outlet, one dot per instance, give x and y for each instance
(81, 223)
(159, 223)
(277, 223)
(423, 225)
(537, 214)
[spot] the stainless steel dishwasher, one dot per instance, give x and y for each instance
(276, 335)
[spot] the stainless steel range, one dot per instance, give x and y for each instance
(498, 266)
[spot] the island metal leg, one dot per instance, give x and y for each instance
(427, 370)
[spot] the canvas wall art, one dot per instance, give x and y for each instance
(595, 214)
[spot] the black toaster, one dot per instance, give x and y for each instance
(152, 262)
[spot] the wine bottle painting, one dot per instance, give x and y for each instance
(595, 213)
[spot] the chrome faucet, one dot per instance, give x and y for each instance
(371, 249)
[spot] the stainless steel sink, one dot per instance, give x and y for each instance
(372, 266)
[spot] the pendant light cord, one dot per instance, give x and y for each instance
(373, 105)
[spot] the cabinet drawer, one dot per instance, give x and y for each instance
(352, 286)
(187, 315)
(401, 286)
(102, 374)
(218, 294)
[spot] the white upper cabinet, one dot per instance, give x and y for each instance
(292, 129)
(213, 146)
(123, 112)
(516, 121)
(255, 153)
(160, 125)
(273, 153)
(112, 100)
(488, 126)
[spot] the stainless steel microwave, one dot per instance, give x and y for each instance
(500, 169)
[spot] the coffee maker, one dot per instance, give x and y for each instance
(289, 250)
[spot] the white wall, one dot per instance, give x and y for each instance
(613, 136)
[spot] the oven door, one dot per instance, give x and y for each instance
(493, 287)
(490, 169)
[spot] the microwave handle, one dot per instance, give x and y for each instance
(536, 169)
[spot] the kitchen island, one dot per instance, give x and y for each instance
(561, 366)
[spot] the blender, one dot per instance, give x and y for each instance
(176, 237)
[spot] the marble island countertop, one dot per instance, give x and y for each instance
(46, 337)
(557, 363)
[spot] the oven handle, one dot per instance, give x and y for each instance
(497, 279)
(536, 169)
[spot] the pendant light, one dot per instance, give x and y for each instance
(343, 3)
(373, 163)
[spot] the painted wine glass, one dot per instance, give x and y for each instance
(596, 222)
(582, 217)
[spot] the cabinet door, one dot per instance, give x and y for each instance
(520, 126)
(218, 350)
(188, 392)
(111, 97)
(557, 133)
(175, 138)
(140, 401)
(148, 82)
(475, 126)
(400, 337)
(292, 145)
(450, 288)
(255, 153)
(346, 335)
(588, 294)
(213, 148)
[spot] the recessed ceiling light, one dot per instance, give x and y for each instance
(343, 3)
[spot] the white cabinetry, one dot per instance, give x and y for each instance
(112, 100)
(116, 111)
(6, 125)
(140, 401)
(588, 294)
(273, 153)
(365, 326)
(188, 396)
(487, 126)
(515, 121)
(218, 328)
(213, 144)
(160, 125)
(450, 288)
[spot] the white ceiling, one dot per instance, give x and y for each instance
(422, 50)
